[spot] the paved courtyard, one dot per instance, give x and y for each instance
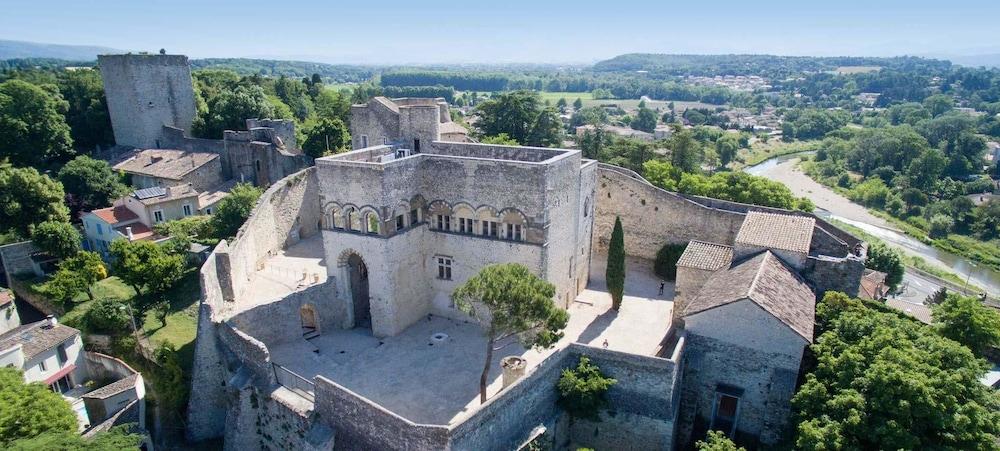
(432, 381)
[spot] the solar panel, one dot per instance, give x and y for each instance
(147, 193)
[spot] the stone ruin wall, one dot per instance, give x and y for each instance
(285, 212)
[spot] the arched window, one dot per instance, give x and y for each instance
(353, 219)
(336, 219)
(514, 225)
(465, 219)
(371, 223)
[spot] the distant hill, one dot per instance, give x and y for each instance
(296, 69)
(988, 60)
(22, 49)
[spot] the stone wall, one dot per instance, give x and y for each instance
(286, 212)
(249, 351)
(494, 151)
(279, 321)
(835, 274)
(362, 424)
(376, 120)
(259, 420)
(146, 92)
(16, 259)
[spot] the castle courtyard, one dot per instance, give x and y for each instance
(429, 374)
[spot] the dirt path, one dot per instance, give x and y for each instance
(824, 198)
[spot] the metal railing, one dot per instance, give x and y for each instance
(292, 381)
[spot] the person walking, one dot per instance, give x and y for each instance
(661, 287)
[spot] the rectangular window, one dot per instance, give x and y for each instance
(514, 232)
(208, 211)
(491, 229)
(444, 222)
(726, 410)
(62, 385)
(416, 146)
(444, 268)
(385, 140)
(187, 210)
(61, 354)
(414, 218)
(100, 230)
(465, 225)
(400, 222)
(158, 216)
(364, 141)
(41, 366)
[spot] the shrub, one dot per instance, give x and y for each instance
(717, 441)
(582, 390)
(941, 225)
(886, 259)
(108, 315)
(666, 260)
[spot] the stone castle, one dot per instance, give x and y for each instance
(327, 323)
(151, 102)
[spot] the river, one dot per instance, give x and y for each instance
(831, 205)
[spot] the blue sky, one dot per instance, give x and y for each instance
(400, 31)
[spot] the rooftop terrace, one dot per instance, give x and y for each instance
(388, 153)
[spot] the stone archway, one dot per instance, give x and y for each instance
(357, 273)
(309, 320)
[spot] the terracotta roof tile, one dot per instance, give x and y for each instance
(703, 255)
(777, 231)
(115, 215)
(769, 283)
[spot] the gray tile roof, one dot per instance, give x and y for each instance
(36, 337)
(768, 282)
(113, 388)
(165, 163)
(777, 231)
(703, 255)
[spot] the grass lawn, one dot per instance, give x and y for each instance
(570, 97)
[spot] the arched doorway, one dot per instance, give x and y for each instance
(310, 324)
(358, 273)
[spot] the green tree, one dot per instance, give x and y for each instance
(27, 410)
(90, 184)
(939, 104)
(886, 259)
(661, 174)
(717, 441)
(582, 390)
(966, 320)
(665, 265)
(685, 151)
(87, 112)
(144, 263)
(615, 272)
(76, 274)
(501, 139)
(116, 439)
(940, 225)
(514, 113)
(171, 382)
(547, 130)
(645, 120)
(726, 147)
(33, 130)
(561, 104)
(331, 104)
(577, 104)
(232, 107)
(28, 198)
(234, 210)
(883, 380)
(59, 239)
(326, 136)
(510, 302)
(107, 315)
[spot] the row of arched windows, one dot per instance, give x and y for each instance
(508, 224)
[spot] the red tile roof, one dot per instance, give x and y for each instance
(115, 215)
(139, 231)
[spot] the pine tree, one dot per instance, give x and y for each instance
(615, 273)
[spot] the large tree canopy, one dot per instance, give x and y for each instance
(28, 198)
(27, 410)
(885, 381)
(232, 107)
(521, 116)
(33, 129)
(234, 210)
(90, 183)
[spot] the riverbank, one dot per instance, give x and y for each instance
(833, 205)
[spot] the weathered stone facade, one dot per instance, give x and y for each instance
(145, 93)
(407, 123)
(399, 214)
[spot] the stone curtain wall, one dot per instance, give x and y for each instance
(251, 352)
(652, 217)
(362, 424)
(835, 274)
(258, 420)
(279, 321)
(287, 209)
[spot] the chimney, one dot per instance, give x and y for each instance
(128, 231)
(50, 322)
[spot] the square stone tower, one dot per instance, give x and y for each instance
(146, 92)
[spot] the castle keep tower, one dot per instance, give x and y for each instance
(146, 92)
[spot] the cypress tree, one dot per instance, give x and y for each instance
(615, 272)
